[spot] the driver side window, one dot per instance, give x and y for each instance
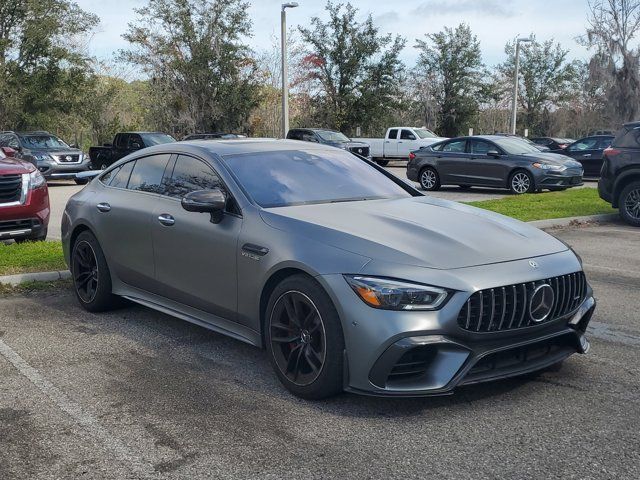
(189, 175)
(457, 146)
(481, 148)
(586, 144)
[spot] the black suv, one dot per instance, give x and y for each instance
(53, 157)
(620, 175)
(329, 137)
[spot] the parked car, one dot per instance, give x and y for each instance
(53, 157)
(620, 175)
(492, 161)
(588, 151)
(553, 144)
(329, 137)
(398, 142)
(123, 144)
(351, 278)
(210, 136)
(24, 199)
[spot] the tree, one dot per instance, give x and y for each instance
(547, 79)
(44, 72)
(612, 31)
(355, 69)
(451, 66)
(201, 74)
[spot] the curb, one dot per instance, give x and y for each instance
(574, 221)
(35, 277)
(543, 224)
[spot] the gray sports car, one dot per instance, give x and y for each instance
(351, 279)
(494, 161)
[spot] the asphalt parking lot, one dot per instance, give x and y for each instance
(138, 394)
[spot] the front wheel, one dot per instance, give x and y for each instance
(304, 338)
(429, 179)
(521, 182)
(629, 204)
(81, 181)
(382, 162)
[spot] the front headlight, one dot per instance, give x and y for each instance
(392, 294)
(43, 157)
(553, 168)
(36, 180)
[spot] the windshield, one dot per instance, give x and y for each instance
(296, 177)
(424, 133)
(43, 142)
(151, 139)
(515, 146)
(329, 136)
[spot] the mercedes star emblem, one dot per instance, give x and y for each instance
(541, 303)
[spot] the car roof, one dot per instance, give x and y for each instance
(238, 146)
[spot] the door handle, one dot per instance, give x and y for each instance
(586, 155)
(103, 207)
(166, 219)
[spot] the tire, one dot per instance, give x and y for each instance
(382, 163)
(429, 179)
(306, 349)
(629, 204)
(81, 181)
(90, 274)
(521, 182)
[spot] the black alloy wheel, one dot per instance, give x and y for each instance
(85, 271)
(298, 338)
(629, 204)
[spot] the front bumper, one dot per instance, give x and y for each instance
(558, 181)
(28, 219)
(421, 353)
(52, 170)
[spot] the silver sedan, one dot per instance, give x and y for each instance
(351, 279)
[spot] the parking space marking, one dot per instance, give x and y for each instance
(84, 419)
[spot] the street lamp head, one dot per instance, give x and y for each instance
(289, 5)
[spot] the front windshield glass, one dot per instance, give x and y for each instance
(43, 142)
(424, 133)
(297, 177)
(329, 136)
(515, 146)
(151, 139)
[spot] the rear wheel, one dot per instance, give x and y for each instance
(304, 338)
(91, 276)
(81, 181)
(382, 162)
(629, 204)
(521, 182)
(429, 179)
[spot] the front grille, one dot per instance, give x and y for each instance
(67, 158)
(9, 225)
(507, 308)
(10, 188)
(364, 151)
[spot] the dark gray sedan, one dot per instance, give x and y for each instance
(492, 161)
(351, 279)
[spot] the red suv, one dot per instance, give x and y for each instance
(24, 199)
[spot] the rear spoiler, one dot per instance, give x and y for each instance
(88, 174)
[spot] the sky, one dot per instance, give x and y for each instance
(493, 21)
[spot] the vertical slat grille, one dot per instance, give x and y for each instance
(507, 308)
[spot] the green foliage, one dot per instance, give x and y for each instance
(450, 64)
(201, 74)
(354, 69)
(546, 80)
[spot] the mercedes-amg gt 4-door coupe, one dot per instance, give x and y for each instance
(350, 278)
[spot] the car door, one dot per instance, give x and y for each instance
(586, 152)
(407, 143)
(391, 144)
(484, 169)
(124, 214)
(452, 162)
(195, 259)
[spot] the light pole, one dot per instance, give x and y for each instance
(514, 106)
(285, 70)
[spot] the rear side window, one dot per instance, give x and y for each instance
(627, 138)
(147, 174)
(189, 175)
(585, 144)
(121, 140)
(121, 178)
(107, 177)
(393, 134)
(294, 135)
(604, 143)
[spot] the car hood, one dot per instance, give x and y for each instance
(419, 231)
(553, 159)
(13, 166)
(56, 151)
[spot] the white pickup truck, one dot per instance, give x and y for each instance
(398, 143)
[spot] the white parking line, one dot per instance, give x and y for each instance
(88, 422)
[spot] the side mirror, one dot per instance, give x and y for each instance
(206, 201)
(136, 146)
(8, 151)
(493, 153)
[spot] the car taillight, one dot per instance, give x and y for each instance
(412, 156)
